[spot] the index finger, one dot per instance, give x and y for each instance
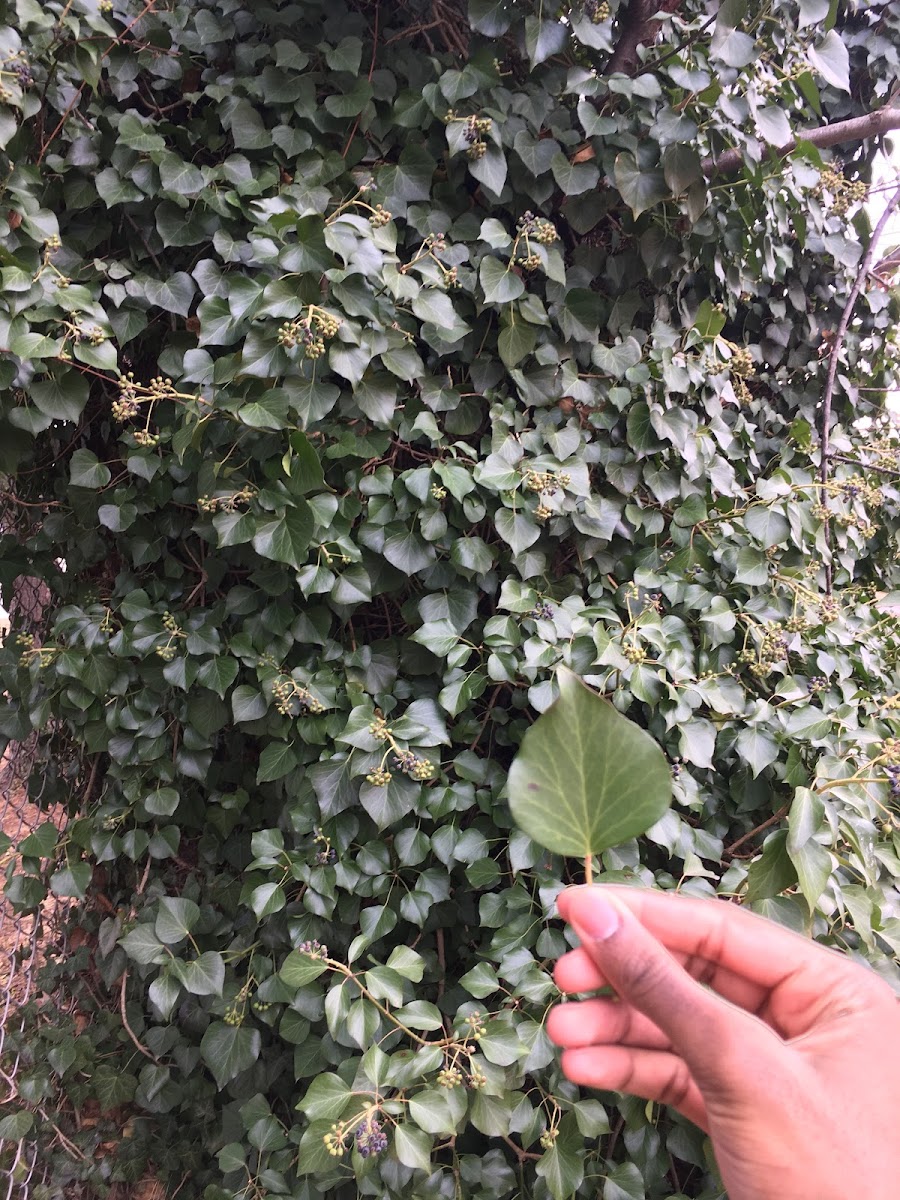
(726, 936)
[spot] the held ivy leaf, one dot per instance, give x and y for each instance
(585, 777)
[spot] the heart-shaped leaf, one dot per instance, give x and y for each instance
(585, 777)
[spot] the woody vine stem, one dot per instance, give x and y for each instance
(827, 394)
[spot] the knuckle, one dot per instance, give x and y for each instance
(678, 1086)
(643, 978)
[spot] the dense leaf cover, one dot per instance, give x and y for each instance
(360, 365)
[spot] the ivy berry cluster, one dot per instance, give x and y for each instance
(313, 330)
(326, 855)
(167, 651)
(237, 1010)
(293, 699)
(229, 502)
(773, 649)
(403, 759)
(843, 192)
(475, 128)
(369, 1135)
(542, 611)
(314, 949)
(597, 11)
(532, 228)
(18, 68)
(380, 216)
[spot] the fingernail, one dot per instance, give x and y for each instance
(595, 917)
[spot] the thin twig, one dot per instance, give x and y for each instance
(89, 787)
(67, 1145)
(79, 92)
(349, 142)
(411, 31)
(144, 878)
(614, 1137)
(143, 1049)
(688, 41)
(137, 229)
(729, 851)
(522, 1155)
(487, 714)
(836, 347)
(854, 462)
(442, 960)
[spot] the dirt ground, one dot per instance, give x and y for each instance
(18, 818)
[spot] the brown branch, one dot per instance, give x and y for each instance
(638, 27)
(522, 1155)
(854, 462)
(833, 357)
(688, 41)
(729, 851)
(872, 124)
(143, 1049)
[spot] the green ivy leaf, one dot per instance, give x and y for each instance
(499, 282)
(300, 969)
(640, 189)
(585, 777)
(830, 57)
(757, 747)
(624, 1182)
(490, 17)
(710, 320)
(413, 1146)
(562, 1166)
(544, 38)
(773, 872)
(85, 470)
(574, 178)
(16, 1125)
(163, 802)
(72, 881)
(516, 341)
(175, 919)
(767, 525)
(286, 538)
(218, 674)
(517, 529)
(616, 360)
(228, 1050)
(773, 125)
(62, 397)
(326, 1098)
(276, 761)
(202, 976)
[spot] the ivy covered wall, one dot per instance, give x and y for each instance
(361, 363)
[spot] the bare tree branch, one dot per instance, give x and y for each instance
(854, 130)
(890, 264)
(836, 345)
(638, 27)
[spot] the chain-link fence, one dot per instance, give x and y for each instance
(23, 937)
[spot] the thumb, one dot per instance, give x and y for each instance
(700, 1025)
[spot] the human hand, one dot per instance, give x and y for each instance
(789, 1058)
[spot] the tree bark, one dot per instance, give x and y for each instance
(855, 130)
(638, 27)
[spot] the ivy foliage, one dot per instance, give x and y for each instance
(359, 368)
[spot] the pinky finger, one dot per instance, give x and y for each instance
(652, 1074)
